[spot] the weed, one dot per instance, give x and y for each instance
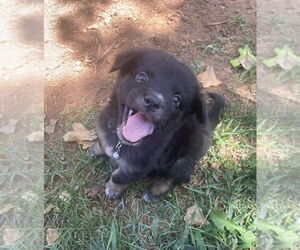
(197, 66)
(215, 47)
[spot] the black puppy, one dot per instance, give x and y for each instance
(155, 124)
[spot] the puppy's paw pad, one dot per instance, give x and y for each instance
(112, 195)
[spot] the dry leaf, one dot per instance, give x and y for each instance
(51, 235)
(194, 216)
(65, 196)
(6, 208)
(49, 208)
(243, 90)
(11, 235)
(80, 135)
(208, 78)
(36, 136)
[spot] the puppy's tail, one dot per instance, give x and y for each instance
(218, 104)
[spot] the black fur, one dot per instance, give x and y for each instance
(182, 133)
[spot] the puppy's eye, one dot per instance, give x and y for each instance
(141, 77)
(176, 100)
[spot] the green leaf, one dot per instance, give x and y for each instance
(285, 58)
(246, 58)
(287, 238)
(221, 222)
(248, 238)
(113, 236)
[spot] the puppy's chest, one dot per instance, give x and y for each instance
(141, 157)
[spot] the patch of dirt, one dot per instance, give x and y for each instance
(80, 33)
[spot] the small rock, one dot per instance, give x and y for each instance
(184, 18)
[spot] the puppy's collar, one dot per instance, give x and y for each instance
(117, 149)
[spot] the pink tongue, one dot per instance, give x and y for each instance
(137, 127)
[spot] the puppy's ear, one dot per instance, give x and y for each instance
(199, 108)
(124, 61)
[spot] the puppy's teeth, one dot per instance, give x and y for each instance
(130, 112)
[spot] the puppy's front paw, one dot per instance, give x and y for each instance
(158, 190)
(95, 150)
(148, 197)
(111, 193)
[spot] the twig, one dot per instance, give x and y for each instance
(217, 23)
(97, 58)
(151, 20)
(105, 53)
(113, 46)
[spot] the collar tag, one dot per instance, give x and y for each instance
(117, 149)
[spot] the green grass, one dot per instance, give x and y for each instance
(278, 176)
(21, 181)
(223, 182)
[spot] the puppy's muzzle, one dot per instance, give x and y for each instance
(152, 102)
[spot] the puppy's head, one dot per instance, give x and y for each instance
(154, 91)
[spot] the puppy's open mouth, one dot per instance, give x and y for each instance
(136, 125)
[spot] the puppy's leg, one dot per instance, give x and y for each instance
(114, 190)
(119, 181)
(95, 150)
(179, 173)
(159, 189)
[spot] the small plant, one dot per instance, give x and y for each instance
(197, 66)
(248, 76)
(245, 59)
(215, 47)
(240, 20)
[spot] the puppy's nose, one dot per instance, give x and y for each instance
(152, 101)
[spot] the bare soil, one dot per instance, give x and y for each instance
(83, 37)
